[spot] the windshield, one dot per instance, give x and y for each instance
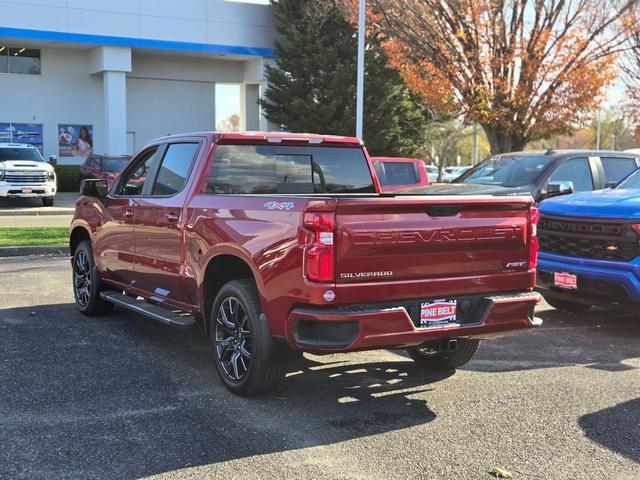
(15, 153)
(632, 181)
(113, 164)
(514, 171)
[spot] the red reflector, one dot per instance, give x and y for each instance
(636, 228)
(319, 256)
(534, 246)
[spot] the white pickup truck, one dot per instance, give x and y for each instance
(25, 174)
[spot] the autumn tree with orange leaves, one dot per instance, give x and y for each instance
(522, 69)
(631, 75)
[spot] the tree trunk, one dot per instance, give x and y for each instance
(503, 142)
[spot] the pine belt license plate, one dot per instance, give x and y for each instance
(564, 280)
(438, 312)
(27, 190)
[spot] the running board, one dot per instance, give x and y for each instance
(175, 318)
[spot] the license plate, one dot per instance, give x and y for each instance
(565, 280)
(27, 190)
(438, 312)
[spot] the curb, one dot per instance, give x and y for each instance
(30, 251)
(37, 213)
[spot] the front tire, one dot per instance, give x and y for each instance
(567, 306)
(47, 201)
(243, 349)
(439, 359)
(86, 282)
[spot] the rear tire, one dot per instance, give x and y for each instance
(436, 359)
(86, 282)
(567, 306)
(48, 201)
(243, 350)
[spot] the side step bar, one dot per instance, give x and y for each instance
(175, 318)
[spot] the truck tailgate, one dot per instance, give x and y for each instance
(420, 238)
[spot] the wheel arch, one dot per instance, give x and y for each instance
(223, 268)
(78, 234)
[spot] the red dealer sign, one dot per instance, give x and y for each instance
(438, 311)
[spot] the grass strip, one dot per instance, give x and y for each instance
(34, 236)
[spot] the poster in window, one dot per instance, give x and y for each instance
(75, 141)
(22, 133)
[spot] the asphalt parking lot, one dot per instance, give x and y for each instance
(123, 397)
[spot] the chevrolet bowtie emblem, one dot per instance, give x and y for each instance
(612, 248)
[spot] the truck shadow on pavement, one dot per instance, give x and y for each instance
(616, 428)
(121, 396)
(598, 339)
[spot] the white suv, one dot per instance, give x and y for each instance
(25, 174)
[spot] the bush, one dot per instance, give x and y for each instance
(68, 177)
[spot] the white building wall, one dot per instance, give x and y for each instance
(213, 22)
(160, 107)
(172, 94)
(64, 93)
(178, 51)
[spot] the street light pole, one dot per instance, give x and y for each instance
(360, 85)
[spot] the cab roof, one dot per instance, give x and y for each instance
(274, 138)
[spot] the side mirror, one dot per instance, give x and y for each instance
(555, 189)
(53, 159)
(96, 188)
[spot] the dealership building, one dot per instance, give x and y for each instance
(109, 76)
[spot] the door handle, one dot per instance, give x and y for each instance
(171, 217)
(128, 213)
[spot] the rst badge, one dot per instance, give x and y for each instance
(438, 312)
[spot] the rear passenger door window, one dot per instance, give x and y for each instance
(615, 169)
(577, 171)
(174, 169)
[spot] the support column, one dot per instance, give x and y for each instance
(115, 112)
(113, 63)
(255, 86)
(251, 107)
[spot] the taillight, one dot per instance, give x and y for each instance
(534, 246)
(636, 228)
(319, 256)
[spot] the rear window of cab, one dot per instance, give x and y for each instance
(268, 169)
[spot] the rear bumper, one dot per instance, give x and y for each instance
(599, 281)
(364, 327)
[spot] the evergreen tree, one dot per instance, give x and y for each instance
(313, 86)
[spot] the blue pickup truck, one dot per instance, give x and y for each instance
(590, 248)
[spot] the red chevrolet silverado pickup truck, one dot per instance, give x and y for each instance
(281, 243)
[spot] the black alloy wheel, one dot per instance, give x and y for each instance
(86, 282)
(82, 279)
(233, 339)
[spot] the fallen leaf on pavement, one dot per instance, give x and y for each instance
(500, 472)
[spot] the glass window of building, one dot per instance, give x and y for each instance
(21, 60)
(229, 117)
(4, 59)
